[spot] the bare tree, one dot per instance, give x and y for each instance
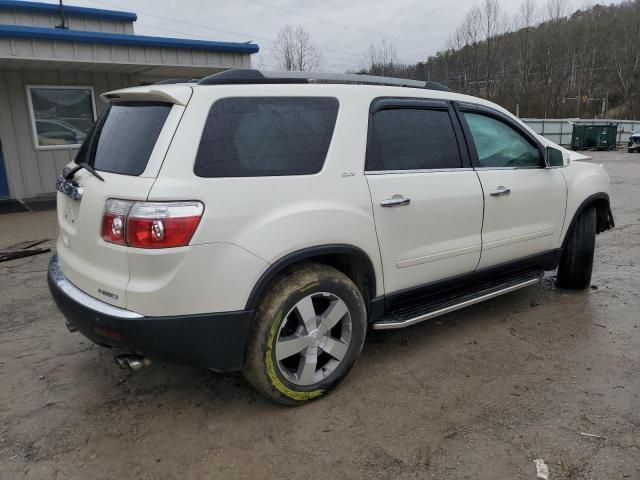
(524, 23)
(469, 35)
(382, 59)
(556, 10)
(626, 57)
(493, 24)
(294, 50)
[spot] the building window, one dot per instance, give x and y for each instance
(61, 117)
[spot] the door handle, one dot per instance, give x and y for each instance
(395, 201)
(500, 191)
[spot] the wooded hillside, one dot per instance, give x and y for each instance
(549, 63)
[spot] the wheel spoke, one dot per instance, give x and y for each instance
(333, 315)
(307, 367)
(288, 346)
(335, 348)
(307, 314)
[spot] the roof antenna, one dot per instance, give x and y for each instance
(63, 25)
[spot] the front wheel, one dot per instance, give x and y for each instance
(308, 333)
(576, 263)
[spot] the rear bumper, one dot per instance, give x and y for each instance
(215, 340)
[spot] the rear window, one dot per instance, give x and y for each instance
(266, 136)
(124, 137)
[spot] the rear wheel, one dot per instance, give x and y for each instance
(307, 335)
(576, 263)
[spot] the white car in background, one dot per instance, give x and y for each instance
(263, 222)
(634, 142)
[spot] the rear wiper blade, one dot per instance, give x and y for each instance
(80, 166)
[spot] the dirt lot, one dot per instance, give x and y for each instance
(478, 394)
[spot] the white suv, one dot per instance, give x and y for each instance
(262, 222)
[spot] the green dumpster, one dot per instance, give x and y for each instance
(598, 137)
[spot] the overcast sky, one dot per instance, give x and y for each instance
(341, 29)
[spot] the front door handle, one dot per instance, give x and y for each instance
(395, 201)
(500, 191)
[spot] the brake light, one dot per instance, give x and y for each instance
(163, 225)
(151, 224)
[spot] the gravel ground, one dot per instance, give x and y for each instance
(478, 394)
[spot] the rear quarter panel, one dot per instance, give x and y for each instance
(270, 217)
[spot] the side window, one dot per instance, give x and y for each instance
(499, 145)
(412, 139)
(266, 136)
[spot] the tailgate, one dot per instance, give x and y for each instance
(126, 149)
(98, 268)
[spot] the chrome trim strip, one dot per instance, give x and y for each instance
(483, 169)
(411, 262)
(423, 170)
(73, 292)
(518, 239)
(461, 169)
(452, 308)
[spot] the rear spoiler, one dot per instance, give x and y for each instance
(177, 94)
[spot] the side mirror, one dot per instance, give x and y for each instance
(555, 157)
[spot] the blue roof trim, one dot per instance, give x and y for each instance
(84, 11)
(39, 33)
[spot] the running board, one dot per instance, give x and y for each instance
(419, 313)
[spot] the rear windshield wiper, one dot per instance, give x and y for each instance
(87, 167)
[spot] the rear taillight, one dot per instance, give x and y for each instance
(163, 225)
(150, 224)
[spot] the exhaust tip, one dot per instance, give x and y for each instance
(132, 362)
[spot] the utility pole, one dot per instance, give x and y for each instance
(63, 19)
(605, 101)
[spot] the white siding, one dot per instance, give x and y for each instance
(75, 22)
(66, 51)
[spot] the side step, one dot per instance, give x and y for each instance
(421, 311)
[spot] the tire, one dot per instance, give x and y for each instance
(576, 263)
(274, 365)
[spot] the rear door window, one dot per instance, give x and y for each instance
(412, 139)
(266, 136)
(124, 137)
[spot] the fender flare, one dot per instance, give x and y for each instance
(609, 222)
(305, 254)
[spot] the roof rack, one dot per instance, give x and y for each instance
(239, 76)
(171, 81)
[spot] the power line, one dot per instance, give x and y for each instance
(155, 27)
(207, 27)
(317, 19)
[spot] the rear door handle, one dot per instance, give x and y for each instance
(395, 201)
(500, 191)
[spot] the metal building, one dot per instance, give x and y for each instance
(55, 64)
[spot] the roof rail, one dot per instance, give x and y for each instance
(171, 81)
(239, 76)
